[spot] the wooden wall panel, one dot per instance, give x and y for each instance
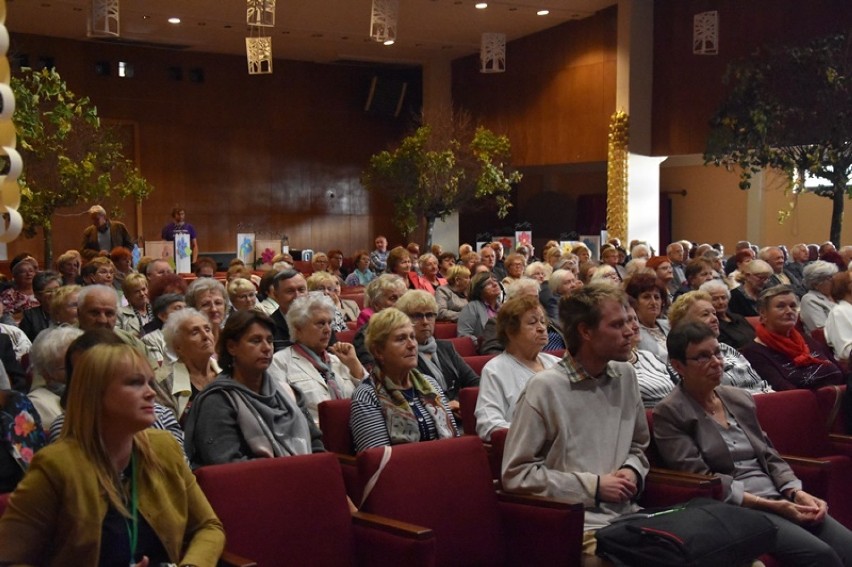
(261, 152)
(688, 88)
(556, 96)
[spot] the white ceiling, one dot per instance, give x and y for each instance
(308, 30)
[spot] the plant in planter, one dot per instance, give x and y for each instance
(441, 167)
(790, 109)
(70, 157)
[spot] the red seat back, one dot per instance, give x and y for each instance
(444, 485)
(830, 400)
(478, 362)
(445, 330)
(467, 405)
(356, 297)
(464, 346)
(289, 510)
(792, 421)
(346, 336)
(334, 424)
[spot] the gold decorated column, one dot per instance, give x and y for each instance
(616, 176)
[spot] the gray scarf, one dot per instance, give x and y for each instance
(433, 364)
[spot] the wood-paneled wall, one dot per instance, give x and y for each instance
(688, 88)
(274, 154)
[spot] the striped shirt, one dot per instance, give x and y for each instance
(165, 421)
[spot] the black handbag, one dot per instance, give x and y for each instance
(700, 533)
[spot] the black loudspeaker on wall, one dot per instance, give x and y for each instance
(386, 97)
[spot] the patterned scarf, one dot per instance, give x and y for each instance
(322, 364)
(399, 416)
(433, 363)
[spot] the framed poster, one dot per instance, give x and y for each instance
(161, 250)
(593, 243)
(245, 248)
(508, 243)
(183, 253)
(266, 251)
(523, 237)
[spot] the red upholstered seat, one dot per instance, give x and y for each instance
(346, 336)
(464, 346)
(478, 362)
(798, 430)
(445, 330)
(293, 511)
(446, 485)
(831, 402)
(356, 297)
(334, 424)
(467, 406)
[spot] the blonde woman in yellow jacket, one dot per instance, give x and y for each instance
(110, 491)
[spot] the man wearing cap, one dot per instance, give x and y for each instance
(103, 235)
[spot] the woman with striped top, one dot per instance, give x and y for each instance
(397, 404)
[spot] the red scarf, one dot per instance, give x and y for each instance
(793, 346)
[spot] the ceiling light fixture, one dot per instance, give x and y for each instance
(174, 20)
(104, 21)
(481, 5)
(260, 13)
(492, 53)
(383, 21)
(542, 12)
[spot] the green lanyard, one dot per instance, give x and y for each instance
(133, 532)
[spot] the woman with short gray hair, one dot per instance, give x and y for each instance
(319, 371)
(188, 334)
(47, 360)
(817, 302)
(734, 329)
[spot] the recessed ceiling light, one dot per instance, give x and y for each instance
(174, 20)
(481, 5)
(389, 42)
(542, 12)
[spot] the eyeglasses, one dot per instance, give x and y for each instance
(422, 316)
(705, 358)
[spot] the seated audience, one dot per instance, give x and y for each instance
(79, 514)
(652, 374)
(205, 267)
(707, 428)
(209, 296)
(838, 325)
(344, 309)
(452, 296)
(436, 358)
(744, 298)
(47, 360)
(429, 278)
(164, 417)
(99, 271)
(399, 264)
(189, 335)
(539, 271)
(122, 260)
(21, 295)
(22, 434)
(266, 293)
(697, 307)
(579, 431)
(68, 265)
(380, 293)
(242, 294)
(244, 414)
(446, 260)
(696, 272)
(362, 274)
(522, 332)
(154, 341)
(653, 328)
(397, 403)
(782, 355)
(36, 319)
(138, 312)
(319, 262)
(335, 266)
(316, 370)
(63, 306)
(561, 283)
(515, 265)
(734, 329)
(21, 344)
(490, 343)
(483, 304)
(817, 302)
(664, 271)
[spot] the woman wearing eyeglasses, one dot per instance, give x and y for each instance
(436, 358)
(743, 301)
(318, 371)
(704, 427)
(242, 293)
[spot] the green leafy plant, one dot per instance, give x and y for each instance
(442, 166)
(70, 156)
(790, 109)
